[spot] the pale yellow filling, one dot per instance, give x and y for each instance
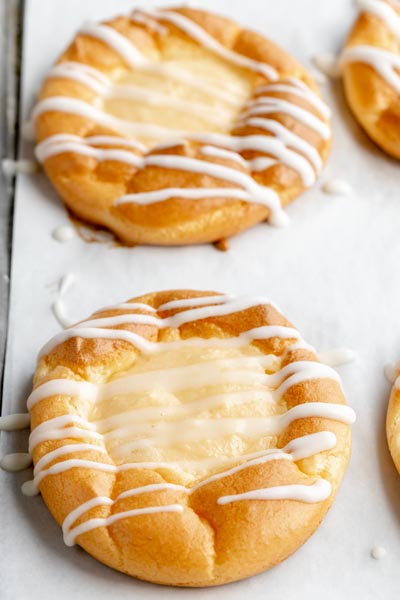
(208, 70)
(206, 452)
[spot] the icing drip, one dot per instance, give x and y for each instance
(328, 65)
(28, 131)
(58, 306)
(15, 422)
(11, 167)
(337, 356)
(63, 233)
(337, 187)
(19, 461)
(378, 552)
(392, 372)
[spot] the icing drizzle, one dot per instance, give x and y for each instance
(145, 422)
(385, 63)
(276, 143)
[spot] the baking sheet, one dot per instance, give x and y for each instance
(334, 272)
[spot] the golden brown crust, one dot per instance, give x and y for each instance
(208, 544)
(90, 188)
(393, 426)
(374, 102)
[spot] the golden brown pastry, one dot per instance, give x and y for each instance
(393, 424)
(179, 127)
(371, 70)
(187, 438)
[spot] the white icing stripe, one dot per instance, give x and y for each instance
(91, 524)
(80, 72)
(43, 152)
(261, 164)
(98, 82)
(127, 306)
(318, 442)
(104, 500)
(137, 17)
(317, 492)
(152, 413)
(253, 192)
(385, 63)
(222, 153)
(122, 45)
(149, 97)
(202, 37)
(297, 449)
(385, 12)
(155, 196)
(47, 458)
(265, 106)
(288, 138)
(97, 140)
(195, 302)
(298, 88)
(277, 146)
(80, 108)
(231, 306)
(192, 430)
(258, 193)
(54, 429)
(67, 387)
(258, 333)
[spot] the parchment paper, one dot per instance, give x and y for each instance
(334, 272)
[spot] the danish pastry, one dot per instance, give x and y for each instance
(178, 127)
(371, 72)
(187, 438)
(393, 424)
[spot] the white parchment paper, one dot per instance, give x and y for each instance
(334, 272)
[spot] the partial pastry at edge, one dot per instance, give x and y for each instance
(177, 126)
(393, 424)
(187, 438)
(371, 71)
